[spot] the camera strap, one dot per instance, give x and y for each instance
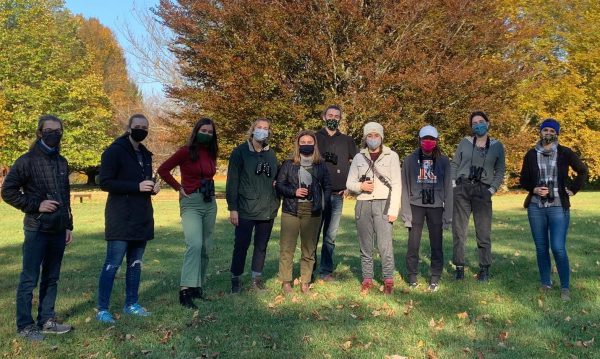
(382, 179)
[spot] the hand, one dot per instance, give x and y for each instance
(156, 188)
(391, 219)
(367, 186)
(69, 237)
(234, 218)
(48, 206)
(541, 191)
(301, 192)
(182, 193)
(343, 193)
(146, 186)
(274, 183)
(569, 192)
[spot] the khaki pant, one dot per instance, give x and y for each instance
(308, 228)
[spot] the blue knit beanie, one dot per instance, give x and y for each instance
(552, 123)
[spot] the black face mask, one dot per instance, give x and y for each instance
(138, 134)
(52, 138)
(307, 150)
(332, 124)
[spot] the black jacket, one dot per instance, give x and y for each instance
(33, 178)
(128, 215)
(566, 158)
(287, 184)
(344, 148)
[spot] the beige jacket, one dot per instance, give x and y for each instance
(388, 165)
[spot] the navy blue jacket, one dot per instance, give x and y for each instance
(128, 214)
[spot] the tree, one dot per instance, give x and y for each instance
(402, 63)
(44, 68)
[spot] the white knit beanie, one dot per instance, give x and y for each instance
(373, 127)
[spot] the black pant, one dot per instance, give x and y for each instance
(40, 251)
(434, 227)
(243, 237)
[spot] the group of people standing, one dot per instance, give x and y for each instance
(324, 167)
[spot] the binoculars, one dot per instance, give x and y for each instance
(475, 173)
(263, 167)
(309, 195)
(331, 157)
(550, 196)
(427, 196)
(364, 178)
(207, 189)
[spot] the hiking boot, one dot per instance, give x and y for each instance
(484, 274)
(258, 284)
(236, 285)
(366, 285)
(53, 327)
(388, 286)
(305, 288)
(198, 293)
(186, 298)
(104, 316)
(32, 333)
(460, 273)
(565, 294)
(286, 287)
(136, 309)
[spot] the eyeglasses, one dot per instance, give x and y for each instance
(50, 130)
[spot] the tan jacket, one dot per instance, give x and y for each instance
(388, 165)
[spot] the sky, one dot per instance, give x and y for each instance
(116, 15)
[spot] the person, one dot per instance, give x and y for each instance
(338, 150)
(478, 168)
(426, 196)
(197, 162)
(375, 176)
(545, 175)
(38, 185)
(126, 174)
(303, 182)
(252, 201)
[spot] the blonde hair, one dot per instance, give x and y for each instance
(316, 156)
(250, 132)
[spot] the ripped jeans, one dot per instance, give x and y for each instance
(115, 251)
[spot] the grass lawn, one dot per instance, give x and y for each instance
(507, 318)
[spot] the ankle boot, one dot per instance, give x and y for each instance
(484, 273)
(186, 299)
(388, 286)
(198, 293)
(305, 288)
(460, 273)
(236, 285)
(286, 287)
(258, 284)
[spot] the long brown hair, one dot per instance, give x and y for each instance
(213, 147)
(316, 156)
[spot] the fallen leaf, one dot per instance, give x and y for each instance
(354, 316)
(420, 344)
(376, 313)
(146, 351)
(354, 305)
(540, 303)
(431, 354)
(88, 319)
(409, 307)
(467, 350)
(129, 336)
(567, 319)
(463, 315)
(347, 345)
(503, 336)
(340, 306)
(517, 253)
(395, 357)
(117, 316)
(480, 355)
(439, 325)
(166, 337)
(306, 339)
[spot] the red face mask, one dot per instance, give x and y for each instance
(428, 145)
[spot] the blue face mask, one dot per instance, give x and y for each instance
(260, 134)
(373, 143)
(480, 129)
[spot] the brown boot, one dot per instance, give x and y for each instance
(305, 288)
(286, 287)
(388, 286)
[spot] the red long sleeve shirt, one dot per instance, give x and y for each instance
(191, 172)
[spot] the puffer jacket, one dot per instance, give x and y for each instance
(34, 177)
(287, 184)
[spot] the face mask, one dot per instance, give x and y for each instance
(138, 134)
(52, 139)
(332, 124)
(373, 143)
(428, 145)
(545, 139)
(307, 150)
(480, 129)
(204, 138)
(260, 134)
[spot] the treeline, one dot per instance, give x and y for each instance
(52, 61)
(402, 63)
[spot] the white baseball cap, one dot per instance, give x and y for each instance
(428, 131)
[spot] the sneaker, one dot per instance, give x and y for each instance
(258, 284)
(53, 327)
(388, 286)
(460, 273)
(366, 285)
(31, 332)
(545, 288)
(104, 316)
(565, 294)
(413, 285)
(433, 287)
(236, 285)
(137, 310)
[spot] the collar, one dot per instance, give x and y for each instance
(251, 147)
(384, 151)
(324, 132)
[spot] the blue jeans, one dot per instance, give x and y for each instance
(330, 223)
(550, 225)
(115, 251)
(40, 251)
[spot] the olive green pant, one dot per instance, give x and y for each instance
(308, 228)
(198, 221)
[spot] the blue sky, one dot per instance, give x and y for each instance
(116, 14)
